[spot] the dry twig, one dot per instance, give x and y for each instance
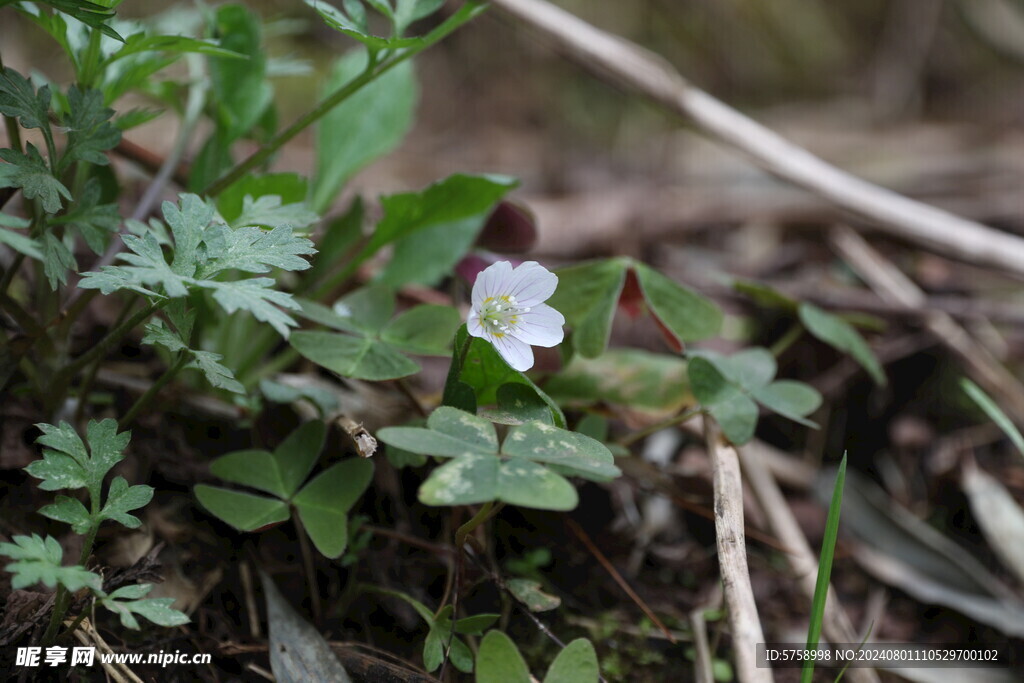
(634, 68)
(891, 284)
(732, 556)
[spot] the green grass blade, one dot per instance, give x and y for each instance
(828, 549)
(993, 411)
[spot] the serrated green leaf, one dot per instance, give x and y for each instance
(366, 126)
(323, 504)
(70, 511)
(289, 188)
(571, 453)
(257, 296)
(38, 560)
(89, 13)
(587, 295)
(32, 175)
(351, 21)
(90, 132)
(576, 663)
(128, 600)
(270, 211)
(57, 260)
(121, 498)
(686, 314)
(216, 373)
(839, 334)
(499, 661)
(529, 592)
(94, 221)
(19, 98)
(66, 464)
(253, 250)
(243, 511)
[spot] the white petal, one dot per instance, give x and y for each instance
(492, 281)
(531, 283)
(516, 353)
(474, 325)
(541, 326)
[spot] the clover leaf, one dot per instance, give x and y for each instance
(529, 468)
(369, 344)
(322, 504)
(731, 387)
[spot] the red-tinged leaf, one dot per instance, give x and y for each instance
(511, 228)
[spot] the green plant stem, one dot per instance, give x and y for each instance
(90, 377)
(788, 338)
(153, 390)
(488, 510)
(633, 437)
(109, 341)
(307, 563)
(464, 14)
(62, 601)
(5, 282)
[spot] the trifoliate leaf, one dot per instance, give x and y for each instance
(19, 98)
(121, 498)
(39, 560)
(90, 132)
(31, 174)
(129, 599)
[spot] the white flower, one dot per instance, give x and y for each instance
(509, 312)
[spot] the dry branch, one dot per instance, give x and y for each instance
(891, 284)
(632, 67)
(732, 556)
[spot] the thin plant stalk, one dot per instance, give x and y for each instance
(828, 549)
(152, 391)
(373, 70)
